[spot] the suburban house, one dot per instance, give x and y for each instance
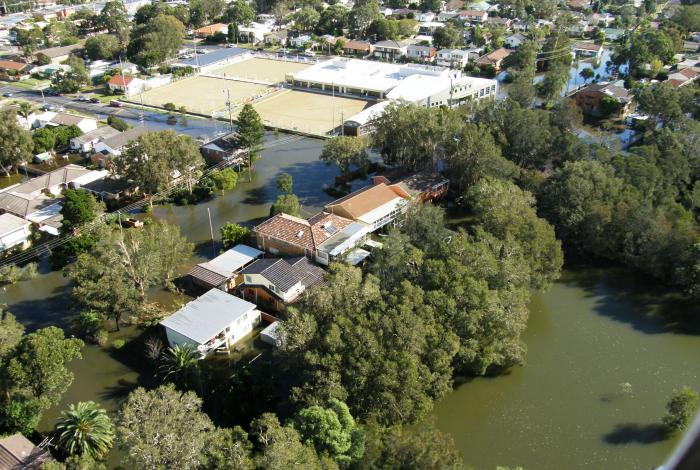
(105, 149)
(493, 59)
(374, 206)
(278, 282)
(359, 48)
(86, 142)
(126, 84)
(391, 50)
(132, 6)
(473, 16)
(604, 99)
(214, 320)
(276, 38)
(683, 77)
(455, 58)
(35, 200)
(302, 41)
(54, 119)
(14, 231)
(254, 32)
(418, 187)
(421, 53)
(514, 41)
(224, 148)
(587, 49)
(506, 23)
(13, 67)
(210, 30)
(19, 453)
(61, 53)
(220, 273)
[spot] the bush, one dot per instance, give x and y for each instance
(118, 343)
(233, 234)
(30, 271)
(101, 337)
(117, 123)
(10, 274)
(680, 409)
(88, 325)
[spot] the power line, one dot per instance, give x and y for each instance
(52, 244)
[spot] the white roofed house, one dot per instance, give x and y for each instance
(391, 50)
(54, 119)
(221, 272)
(214, 320)
(455, 58)
(14, 231)
(106, 148)
(85, 143)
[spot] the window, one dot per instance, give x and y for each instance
(248, 278)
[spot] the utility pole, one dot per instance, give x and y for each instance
(211, 230)
(121, 71)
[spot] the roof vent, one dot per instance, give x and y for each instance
(300, 233)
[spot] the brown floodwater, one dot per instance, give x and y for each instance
(592, 331)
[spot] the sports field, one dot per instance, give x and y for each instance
(203, 95)
(307, 112)
(261, 69)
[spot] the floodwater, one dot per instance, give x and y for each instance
(565, 408)
(592, 331)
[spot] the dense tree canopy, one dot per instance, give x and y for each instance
(158, 39)
(15, 142)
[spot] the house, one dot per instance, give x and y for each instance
(54, 119)
(455, 58)
(302, 41)
(210, 30)
(224, 148)
(425, 16)
(14, 231)
(516, 40)
(447, 15)
(254, 32)
(19, 453)
(59, 54)
(418, 187)
(105, 149)
(587, 49)
(421, 53)
(220, 273)
(361, 123)
(683, 77)
(358, 48)
(613, 34)
(473, 16)
(126, 84)
(85, 143)
(276, 38)
(604, 99)
(578, 5)
(506, 23)
(375, 206)
(132, 6)
(494, 59)
(391, 50)
(12, 67)
(216, 319)
(278, 282)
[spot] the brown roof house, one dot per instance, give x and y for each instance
(18, 453)
(683, 77)
(210, 30)
(494, 59)
(587, 49)
(361, 48)
(419, 187)
(604, 100)
(277, 282)
(221, 272)
(13, 68)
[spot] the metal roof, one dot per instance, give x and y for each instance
(287, 273)
(221, 268)
(205, 317)
(209, 58)
(10, 223)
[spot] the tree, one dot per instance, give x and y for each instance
(79, 207)
(233, 234)
(383, 29)
(305, 19)
(286, 204)
(363, 13)
(70, 81)
(430, 5)
(11, 332)
(16, 143)
(115, 19)
(687, 17)
(345, 151)
(250, 132)
(116, 123)
(586, 73)
(44, 139)
(447, 36)
(522, 90)
(333, 20)
(285, 183)
(225, 180)
(555, 79)
(331, 430)
(150, 160)
(156, 41)
(680, 409)
(281, 446)
(228, 448)
(152, 426)
(239, 13)
(102, 46)
(85, 429)
(179, 365)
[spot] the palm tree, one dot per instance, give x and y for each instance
(85, 429)
(178, 364)
(24, 109)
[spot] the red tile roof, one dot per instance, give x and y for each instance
(12, 65)
(121, 80)
(302, 233)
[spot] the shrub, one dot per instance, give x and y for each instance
(101, 337)
(88, 325)
(680, 409)
(118, 343)
(30, 271)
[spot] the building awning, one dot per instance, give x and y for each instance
(357, 256)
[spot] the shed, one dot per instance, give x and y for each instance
(270, 335)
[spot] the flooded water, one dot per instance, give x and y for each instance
(591, 332)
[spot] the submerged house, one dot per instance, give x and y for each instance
(214, 320)
(220, 273)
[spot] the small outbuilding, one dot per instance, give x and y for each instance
(221, 272)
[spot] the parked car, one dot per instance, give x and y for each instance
(83, 98)
(94, 100)
(49, 107)
(309, 53)
(115, 104)
(7, 94)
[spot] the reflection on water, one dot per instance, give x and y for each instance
(593, 331)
